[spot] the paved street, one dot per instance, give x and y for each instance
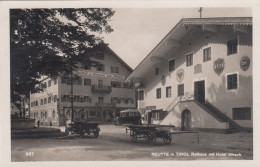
(114, 144)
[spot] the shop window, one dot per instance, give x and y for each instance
(158, 93)
(87, 81)
(189, 60)
(232, 82)
(206, 54)
(141, 95)
(232, 46)
(171, 65)
(242, 113)
(168, 91)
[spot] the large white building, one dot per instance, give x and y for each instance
(201, 74)
(98, 94)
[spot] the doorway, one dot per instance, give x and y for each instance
(199, 91)
(186, 120)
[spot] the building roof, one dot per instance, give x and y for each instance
(109, 50)
(119, 59)
(181, 29)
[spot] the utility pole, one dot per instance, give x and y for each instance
(200, 10)
(71, 89)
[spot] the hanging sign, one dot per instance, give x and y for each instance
(244, 63)
(219, 66)
(180, 75)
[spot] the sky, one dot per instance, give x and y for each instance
(138, 30)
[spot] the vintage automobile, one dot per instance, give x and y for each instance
(130, 116)
(82, 127)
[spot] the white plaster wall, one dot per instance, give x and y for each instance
(199, 117)
(216, 91)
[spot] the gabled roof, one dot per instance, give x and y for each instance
(181, 29)
(119, 59)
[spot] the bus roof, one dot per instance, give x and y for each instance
(129, 110)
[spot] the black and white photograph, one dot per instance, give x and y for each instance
(89, 82)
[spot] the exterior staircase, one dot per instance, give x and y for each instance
(220, 116)
(209, 108)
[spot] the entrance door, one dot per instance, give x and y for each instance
(185, 120)
(199, 91)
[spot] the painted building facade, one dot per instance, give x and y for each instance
(201, 74)
(98, 94)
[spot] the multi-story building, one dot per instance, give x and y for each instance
(98, 93)
(200, 74)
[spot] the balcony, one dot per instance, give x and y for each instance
(105, 104)
(101, 89)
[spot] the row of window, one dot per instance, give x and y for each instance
(44, 84)
(76, 98)
(44, 101)
(101, 67)
(87, 82)
(43, 115)
(117, 84)
(81, 114)
(232, 83)
(231, 49)
(124, 100)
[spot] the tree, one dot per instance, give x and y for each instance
(40, 37)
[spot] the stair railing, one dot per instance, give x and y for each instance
(173, 104)
(185, 97)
